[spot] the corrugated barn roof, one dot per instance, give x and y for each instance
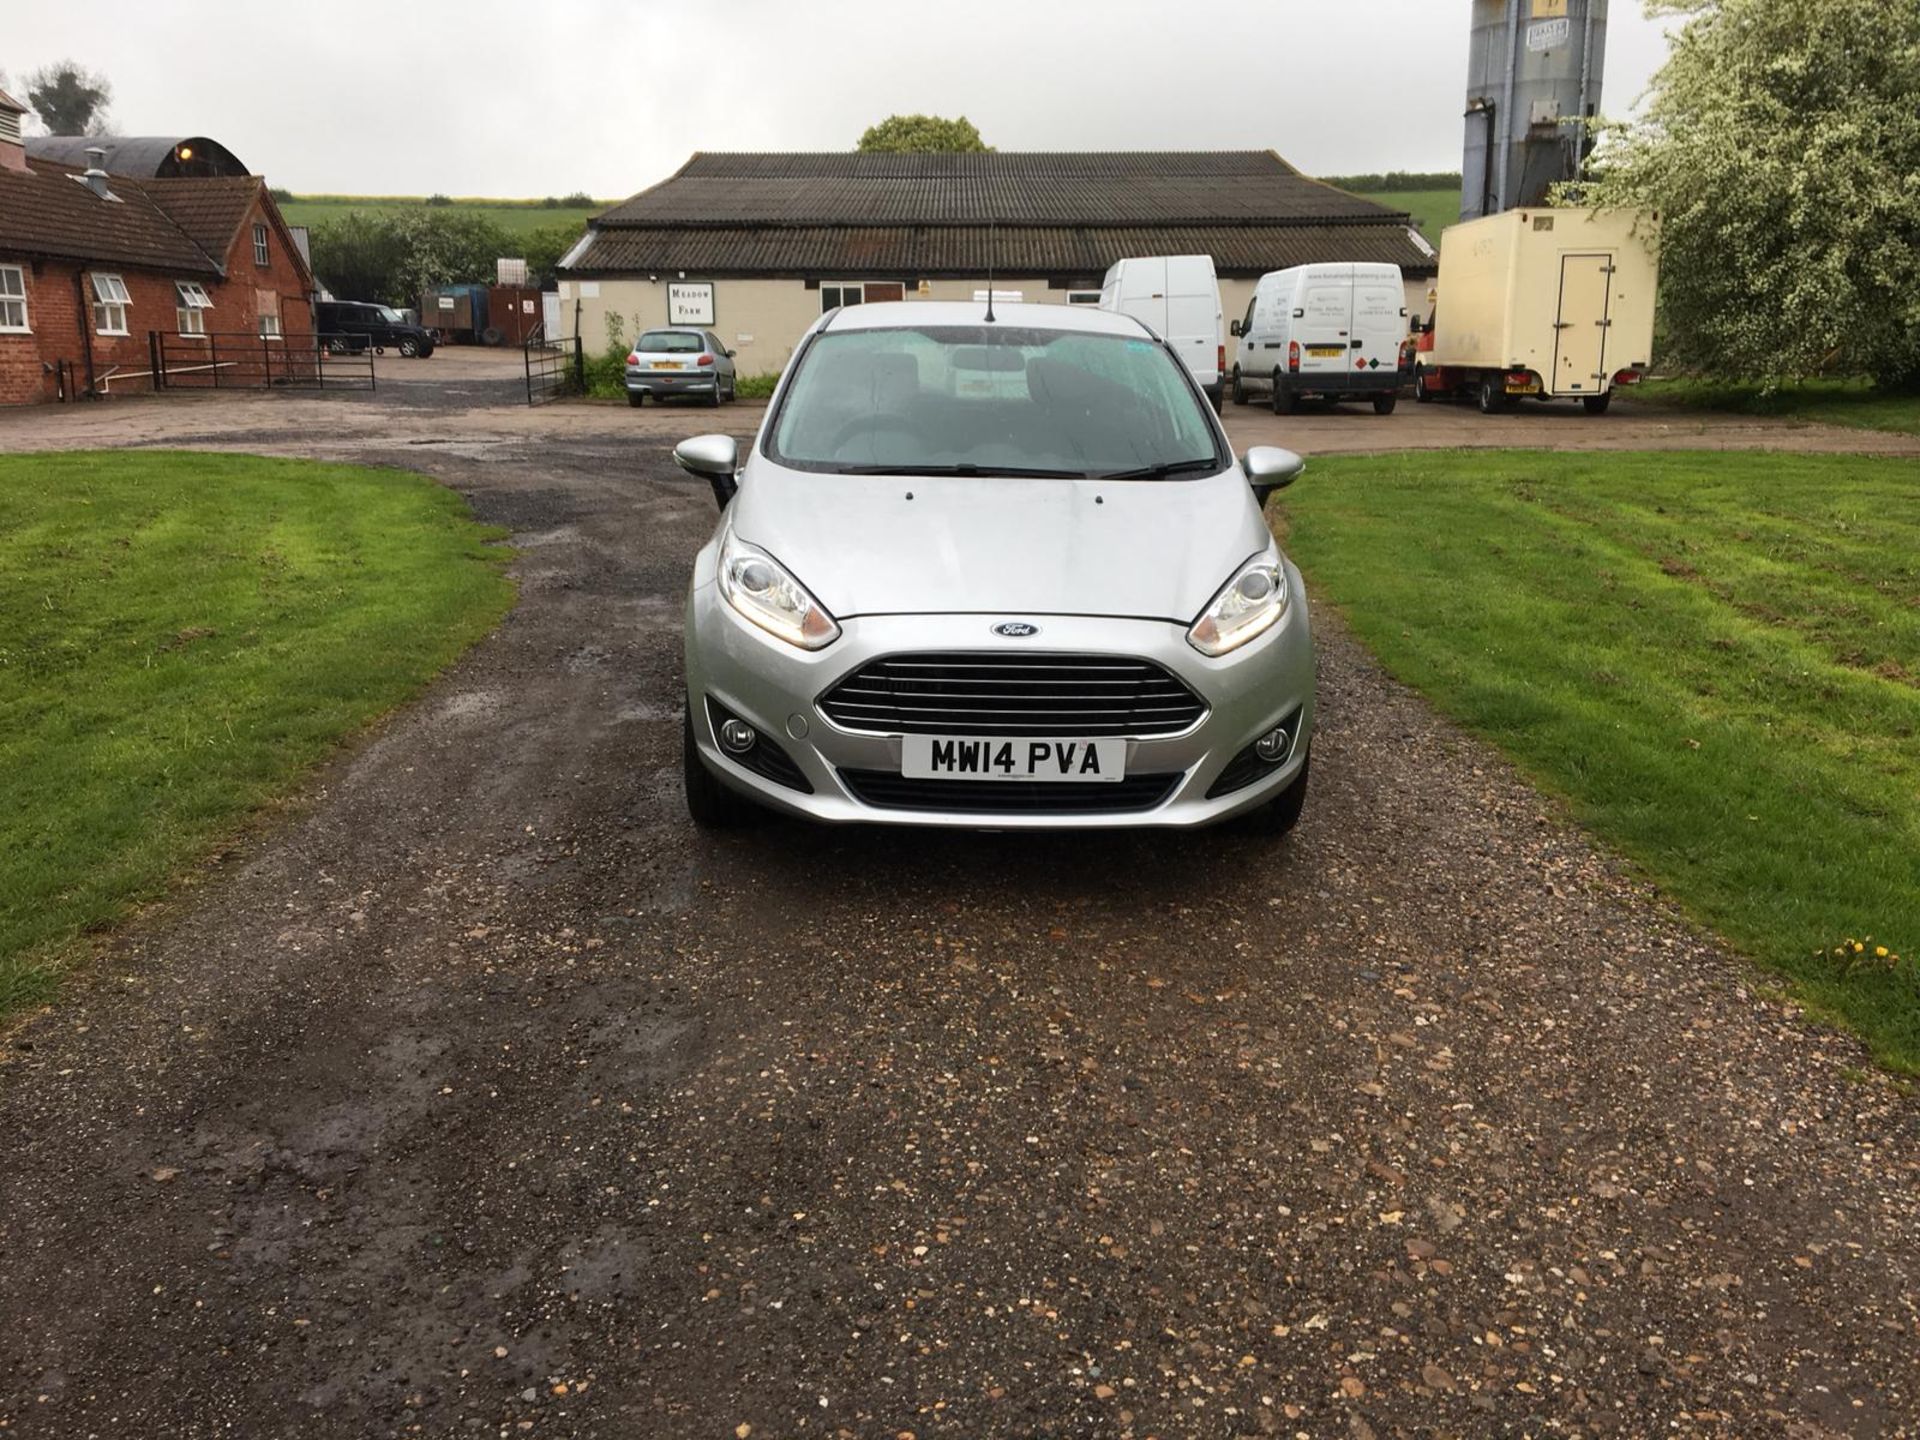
(1054, 213)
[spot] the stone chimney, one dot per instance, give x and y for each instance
(13, 153)
(97, 171)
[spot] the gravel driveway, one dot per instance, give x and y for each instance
(481, 1095)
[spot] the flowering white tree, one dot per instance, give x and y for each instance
(1781, 147)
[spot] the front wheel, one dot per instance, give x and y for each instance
(1280, 814)
(1493, 397)
(1597, 404)
(712, 805)
(1383, 404)
(1421, 394)
(409, 349)
(1239, 390)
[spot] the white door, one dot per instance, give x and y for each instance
(1378, 326)
(1325, 331)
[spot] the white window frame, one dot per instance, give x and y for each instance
(261, 254)
(13, 301)
(840, 288)
(190, 307)
(110, 303)
(269, 328)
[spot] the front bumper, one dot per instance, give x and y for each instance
(672, 382)
(777, 688)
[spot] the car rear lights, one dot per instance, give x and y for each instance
(1293, 356)
(1220, 357)
(1627, 377)
(633, 357)
(704, 360)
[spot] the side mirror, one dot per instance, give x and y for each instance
(1235, 329)
(715, 459)
(729, 353)
(1269, 468)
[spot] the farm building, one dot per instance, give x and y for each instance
(755, 246)
(92, 262)
(140, 157)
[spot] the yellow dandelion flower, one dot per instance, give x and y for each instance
(1881, 951)
(1858, 947)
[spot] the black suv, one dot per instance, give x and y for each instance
(353, 325)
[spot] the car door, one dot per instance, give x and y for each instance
(1379, 323)
(1325, 326)
(722, 362)
(1580, 328)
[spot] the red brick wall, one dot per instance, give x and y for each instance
(56, 312)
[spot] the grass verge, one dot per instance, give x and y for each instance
(1830, 402)
(1713, 658)
(186, 635)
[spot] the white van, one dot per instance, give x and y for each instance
(1333, 331)
(1178, 298)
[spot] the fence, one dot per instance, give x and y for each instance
(554, 367)
(256, 362)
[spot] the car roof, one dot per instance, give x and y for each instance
(902, 314)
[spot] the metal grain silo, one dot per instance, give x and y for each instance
(1533, 76)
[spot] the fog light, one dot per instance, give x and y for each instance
(737, 736)
(1272, 747)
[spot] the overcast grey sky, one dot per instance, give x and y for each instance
(485, 97)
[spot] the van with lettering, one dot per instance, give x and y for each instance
(1331, 332)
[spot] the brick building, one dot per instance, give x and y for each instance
(92, 263)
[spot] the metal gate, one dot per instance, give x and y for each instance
(260, 362)
(554, 367)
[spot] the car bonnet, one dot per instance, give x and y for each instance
(868, 545)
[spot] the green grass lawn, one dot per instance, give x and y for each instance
(1432, 210)
(1713, 658)
(512, 215)
(184, 636)
(1831, 402)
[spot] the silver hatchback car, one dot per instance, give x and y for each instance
(997, 573)
(679, 361)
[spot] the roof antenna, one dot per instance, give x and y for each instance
(993, 254)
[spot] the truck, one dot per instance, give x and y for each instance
(1547, 304)
(1178, 298)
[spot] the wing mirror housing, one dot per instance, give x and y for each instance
(715, 459)
(1235, 329)
(1269, 468)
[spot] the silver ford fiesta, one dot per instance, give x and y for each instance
(995, 570)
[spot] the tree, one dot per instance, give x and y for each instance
(69, 100)
(392, 256)
(923, 135)
(1779, 146)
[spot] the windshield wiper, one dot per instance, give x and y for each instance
(1163, 472)
(1011, 472)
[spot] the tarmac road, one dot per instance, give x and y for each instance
(483, 1095)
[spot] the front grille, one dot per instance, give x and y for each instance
(889, 790)
(992, 693)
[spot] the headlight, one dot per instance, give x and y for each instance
(1248, 605)
(760, 588)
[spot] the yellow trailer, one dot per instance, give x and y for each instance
(1555, 304)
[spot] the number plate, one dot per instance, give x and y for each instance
(1324, 352)
(668, 365)
(940, 757)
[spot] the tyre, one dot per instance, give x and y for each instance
(1285, 402)
(712, 805)
(1421, 394)
(408, 349)
(733, 391)
(379, 349)
(1280, 814)
(1239, 389)
(1493, 396)
(713, 399)
(636, 398)
(1596, 404)
(1216, 397)
(1383, 404)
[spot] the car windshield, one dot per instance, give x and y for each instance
(992, 400)
(669, 342)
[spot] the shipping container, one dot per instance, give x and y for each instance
(1554, 304)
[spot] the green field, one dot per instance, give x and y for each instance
(1713, 658)
(514, 215)
(186, 635)
(1432, 210)
(1829, 402)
